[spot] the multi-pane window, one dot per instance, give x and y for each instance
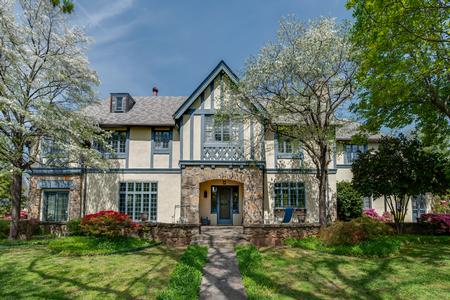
(287, 146)
(119, 104)
(55, 206)
(290, 194)
(221, 131)
(52, 154)
(119, 141)
(367, 203)
(352, 152)
(138, 198)
(162, 139)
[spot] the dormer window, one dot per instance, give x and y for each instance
(119, 104)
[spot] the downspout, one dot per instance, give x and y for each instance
(84, 172)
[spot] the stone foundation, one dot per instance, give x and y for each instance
(35, 195)
(251, 177)
(274, 235)
(171, 234)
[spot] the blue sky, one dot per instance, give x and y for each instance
(175, 44)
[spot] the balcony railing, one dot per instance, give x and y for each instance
(224, 152)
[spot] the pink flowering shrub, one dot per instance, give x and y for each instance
(23, 215)
(371, 213)
(441, 222)
(108, 223)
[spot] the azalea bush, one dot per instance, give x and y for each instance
(108, 223)
(354, 231)
(440, 222)
(23, 215)
(371, 213)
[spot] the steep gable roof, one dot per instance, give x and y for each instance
(147, 111)
(221, 67)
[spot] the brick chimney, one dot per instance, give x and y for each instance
(155, 91)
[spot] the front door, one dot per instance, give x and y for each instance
(224, 195)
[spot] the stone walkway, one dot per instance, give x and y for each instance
(221, 276)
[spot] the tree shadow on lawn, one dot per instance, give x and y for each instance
(63, 280)
(335, 276)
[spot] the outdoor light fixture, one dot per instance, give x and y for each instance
(205, 194)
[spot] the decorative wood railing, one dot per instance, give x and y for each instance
(223, 152)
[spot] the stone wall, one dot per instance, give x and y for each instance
(251, 177)
(273, 235)
(171, 234)
(35, 195)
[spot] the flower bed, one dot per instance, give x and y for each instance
(439, 222)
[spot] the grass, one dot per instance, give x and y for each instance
(88, 245)
(420, 271)
(185, 279)
(30, 270)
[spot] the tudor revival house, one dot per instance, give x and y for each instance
(173, 162)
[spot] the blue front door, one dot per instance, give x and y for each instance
(224, 211)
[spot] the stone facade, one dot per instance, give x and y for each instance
(253, 196)
(36, 194)
(171, 234)
(274, 235)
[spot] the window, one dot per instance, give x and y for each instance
(367, 203)
(221, 131)
(290, 194)
(235, 191)
(287, 147)
(352, 152)
(136, 198)
(119, 104)
(162, 139)
(52, 154)
(55, 206)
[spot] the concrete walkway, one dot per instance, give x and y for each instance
(221, 276)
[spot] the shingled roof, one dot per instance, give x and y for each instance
(148, 111)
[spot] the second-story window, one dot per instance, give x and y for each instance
(352, 152)
(221, 131)
(52, 154)
(287, 147)
(119, 142)
(162, 139)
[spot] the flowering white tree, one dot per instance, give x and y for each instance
(296, 86)
(44, 80)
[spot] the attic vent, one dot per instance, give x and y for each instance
(121, 102)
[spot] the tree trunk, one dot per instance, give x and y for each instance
(16, 192)
(322, 177)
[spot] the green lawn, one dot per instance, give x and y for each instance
(30, 271)
(421, 271)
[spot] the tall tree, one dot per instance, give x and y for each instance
(296, 85)
(403, 60)
(44, 79)
(399, 169)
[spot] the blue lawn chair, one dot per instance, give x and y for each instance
(288, 213)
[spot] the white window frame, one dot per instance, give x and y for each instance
(135, 214)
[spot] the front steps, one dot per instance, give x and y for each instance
(219, 236)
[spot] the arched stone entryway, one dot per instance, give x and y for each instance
(250, 177)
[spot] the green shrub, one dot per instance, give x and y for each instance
(349, 201)
(354, 231)
(89, 245)
(185, 279)
(4, 228)
(379, 247)
(74, 227)
(248, 258)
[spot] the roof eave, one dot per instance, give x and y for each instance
(222, 66)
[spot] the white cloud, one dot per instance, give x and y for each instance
(107, 10)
